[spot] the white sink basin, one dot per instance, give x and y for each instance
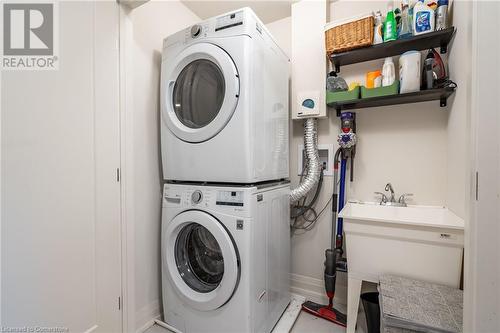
(420, 242)
(431, 216)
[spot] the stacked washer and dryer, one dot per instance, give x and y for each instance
(224, 138)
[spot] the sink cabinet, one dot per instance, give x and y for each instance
(418, 241)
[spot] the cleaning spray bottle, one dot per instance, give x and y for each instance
(442, 15)
(377, 33)
(390, 27)
(405, 26)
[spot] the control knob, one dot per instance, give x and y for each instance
(195, 30)
(196, 197)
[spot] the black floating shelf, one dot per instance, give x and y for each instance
(438, 94)
(426, 41)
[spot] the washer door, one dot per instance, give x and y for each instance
(201, 90)
(201, 260)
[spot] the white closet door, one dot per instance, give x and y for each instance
(107, 161)
(482, 266)
(60, 236)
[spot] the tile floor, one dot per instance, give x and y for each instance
(305, 323)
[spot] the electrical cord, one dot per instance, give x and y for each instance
(446, 83)
(301, 207)
(310, 224)
(305, 215)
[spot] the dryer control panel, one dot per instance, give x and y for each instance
(229, 21)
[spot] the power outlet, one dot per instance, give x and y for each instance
(325, 152)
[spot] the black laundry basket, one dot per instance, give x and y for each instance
(372, 311)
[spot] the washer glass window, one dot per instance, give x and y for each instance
(198, 93)
(199, 258)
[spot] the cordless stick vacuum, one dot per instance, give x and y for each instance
(333, 255)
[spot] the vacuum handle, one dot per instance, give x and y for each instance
(334, 202)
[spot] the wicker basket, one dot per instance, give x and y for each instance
(349, 36)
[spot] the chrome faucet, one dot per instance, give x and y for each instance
(402, 199)
(389, 187)
(385, 201)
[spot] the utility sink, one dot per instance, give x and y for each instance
(424, 216)
(421, 242)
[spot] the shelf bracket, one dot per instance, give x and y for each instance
(444, 49)
(337, 68)
(338, 110)
(442, 102)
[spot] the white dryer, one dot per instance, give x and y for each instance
(224, 102)
(225, 257)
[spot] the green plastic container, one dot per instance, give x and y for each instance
(340, 96)
(381, 91)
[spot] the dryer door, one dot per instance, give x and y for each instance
(201, 259)
(200, 91)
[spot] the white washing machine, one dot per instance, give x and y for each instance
(224, 102)
(225, 257)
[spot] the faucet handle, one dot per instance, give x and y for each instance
(402, 198)
(383, 197)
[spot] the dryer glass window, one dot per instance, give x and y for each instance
(198, 93)
(199, 258)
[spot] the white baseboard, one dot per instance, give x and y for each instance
(314, 289)
(146, 316)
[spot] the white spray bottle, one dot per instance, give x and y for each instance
(388, 72)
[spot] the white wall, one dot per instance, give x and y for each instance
(419, 148)
(280, 30)
(151, 23)
(458, 129)
(60, 216)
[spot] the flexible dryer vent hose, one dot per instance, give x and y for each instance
(313, 165)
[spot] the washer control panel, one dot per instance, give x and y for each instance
(187, 196)
(229, 198)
